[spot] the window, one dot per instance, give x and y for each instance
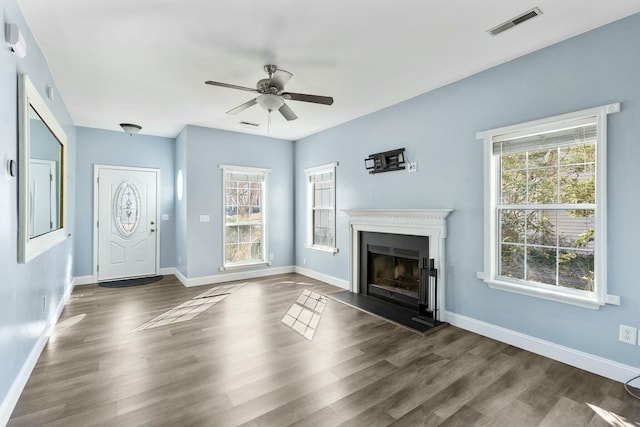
(244, 216)
(545, 225)
(321, 208)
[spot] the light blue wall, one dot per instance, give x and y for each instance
(181, 205)
(22, 286)
(104, 147)
(206, 149)
(438, 130)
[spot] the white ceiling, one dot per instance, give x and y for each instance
(145, 61)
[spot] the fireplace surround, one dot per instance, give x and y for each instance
(429, 223)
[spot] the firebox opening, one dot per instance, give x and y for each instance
(391, 267)
(393, 275)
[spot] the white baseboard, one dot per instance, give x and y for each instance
(85, 280)
(588, 362)
(229, 277)
(341, 283)
(11, 399)
(167, 271)
(181, 277)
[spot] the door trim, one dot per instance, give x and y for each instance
(96, 170)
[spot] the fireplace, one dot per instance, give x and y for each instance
(397, 257)
(390, 266)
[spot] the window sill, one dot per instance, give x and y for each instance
(548, 294)
(244, 265)
(322, 249)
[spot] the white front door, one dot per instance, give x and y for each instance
(127, 222)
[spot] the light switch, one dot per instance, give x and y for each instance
(165, 217)
(204, 218)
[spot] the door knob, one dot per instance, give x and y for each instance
(152, 230)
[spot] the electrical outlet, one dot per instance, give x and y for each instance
(270, 257)
(44, 302)
(628, 334)
(413, 166)
(304, 261)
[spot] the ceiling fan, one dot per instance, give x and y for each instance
(272, 95)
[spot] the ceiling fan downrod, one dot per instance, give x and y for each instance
(270, 69)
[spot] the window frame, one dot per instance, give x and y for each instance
(310, 188)
(264, 244)
(599, 296)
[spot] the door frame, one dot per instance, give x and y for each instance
(53, 184)
(96, 207)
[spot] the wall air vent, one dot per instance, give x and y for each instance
(249, 125)
(515, 21)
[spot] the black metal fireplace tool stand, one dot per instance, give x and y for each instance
(428, 294)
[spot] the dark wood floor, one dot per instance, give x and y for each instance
(237, 364)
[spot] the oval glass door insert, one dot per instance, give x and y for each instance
(127, 208)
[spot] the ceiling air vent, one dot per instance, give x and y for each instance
(249, 125)
(515, 21)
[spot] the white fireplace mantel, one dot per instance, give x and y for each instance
(415, 222)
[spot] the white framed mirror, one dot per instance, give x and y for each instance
(41, 174)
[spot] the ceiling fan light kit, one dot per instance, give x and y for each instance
(270, 102)
(271, 94)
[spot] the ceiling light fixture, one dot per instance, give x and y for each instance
(130, 128)
(270, 102)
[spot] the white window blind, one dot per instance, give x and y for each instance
(580, 133)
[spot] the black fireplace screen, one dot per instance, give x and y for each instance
(394, 273)
(391, 266)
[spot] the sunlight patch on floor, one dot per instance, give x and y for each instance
(293, 282)
(611, 418)
(304, 314)
(190, 309)
(65, 324)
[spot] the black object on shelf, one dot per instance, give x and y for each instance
(392, 160)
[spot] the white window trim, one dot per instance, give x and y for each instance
(592, 300)
(330, 167)
(265, 244)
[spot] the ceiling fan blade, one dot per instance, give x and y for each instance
(281, 77)
(316, 99)
(230, 86)
(287, 112)
(243, 107)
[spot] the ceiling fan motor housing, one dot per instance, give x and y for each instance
(269, 86)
